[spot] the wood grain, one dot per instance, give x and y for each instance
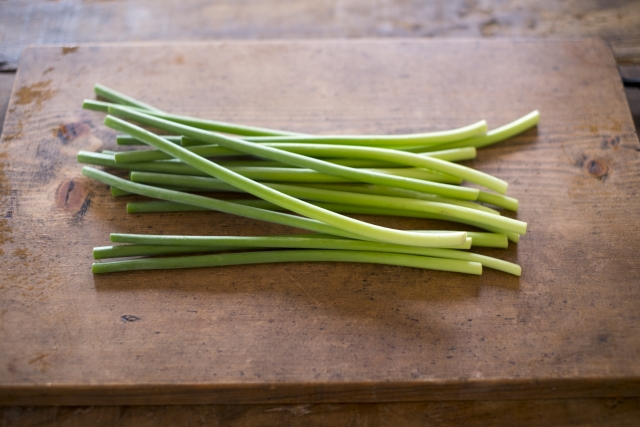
(23, 23)
(324, 332)
(632, 93)
(619, 412)
(6, 83)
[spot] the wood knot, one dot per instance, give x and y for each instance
(69, 49)
(597, 169)
(70, 195)
(70, 131)
(610, 142)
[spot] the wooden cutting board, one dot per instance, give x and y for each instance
(324, 332)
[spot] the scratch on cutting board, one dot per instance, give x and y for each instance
(37, 358)
(297, 410)
(301, 287)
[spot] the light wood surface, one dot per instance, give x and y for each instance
(324, 332)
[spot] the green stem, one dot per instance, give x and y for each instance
(453, 154)
(244, 258)
(497, 135)
(381, 190)
(498, 200)
(475, 239)
(452, 211)
(273, 135)
(197, 183)
(215, 150)
(225, 127)
(352, 163)
(344, 151)
(299, 241)
(345, 197)
(266, 174)
(209, 203)
(351, 230)
(307, 242)
(156, 207)
(365, 230)
(401, 158)
(279, 155)
(128, 140)
(212, 125)
(417, 139)
(123, 251)
(90, 104)
(120, 98)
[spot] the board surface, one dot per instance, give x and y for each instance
(324, 332)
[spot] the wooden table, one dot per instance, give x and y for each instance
(23, 23)
(27, 22)
(355, 333)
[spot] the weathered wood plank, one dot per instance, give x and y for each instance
(6, 83)
(324, 332)
(23, 23)
(633, 93)
(618, 412)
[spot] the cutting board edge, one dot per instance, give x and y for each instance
(363, 392)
